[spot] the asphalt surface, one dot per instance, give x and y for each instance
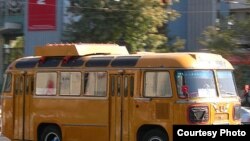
(245, 115)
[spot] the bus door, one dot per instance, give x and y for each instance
(121, 92)
(23, 87)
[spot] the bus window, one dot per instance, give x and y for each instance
(126, 86)
(200, 83)
(7, 83)
(157, 84)
(69, 83)
(226, 83)
(95, 83)
(131, 85)
(29, 86)
(46, 83)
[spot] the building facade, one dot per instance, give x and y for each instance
(11, 27)
(196, 16)
(41, 21)
(241, 10)
(36, 22)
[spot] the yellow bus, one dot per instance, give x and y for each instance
(100, 92)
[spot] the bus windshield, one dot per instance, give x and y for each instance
(226, 83)
(200, 83)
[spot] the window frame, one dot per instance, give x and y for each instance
(70, 80)
(178, 90)
(233, 82)
(55, 84)
(84, 85)
(7, 78)
(168, 92)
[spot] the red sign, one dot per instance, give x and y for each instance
(42, 15)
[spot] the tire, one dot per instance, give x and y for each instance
(51, 133)
(155, 135)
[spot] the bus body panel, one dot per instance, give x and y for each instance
(130, 95)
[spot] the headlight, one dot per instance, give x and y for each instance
(236, 112)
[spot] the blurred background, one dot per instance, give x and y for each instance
(218, 26)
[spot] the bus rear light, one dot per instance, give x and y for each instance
(198, 114)
(236, 112)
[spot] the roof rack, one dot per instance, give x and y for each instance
(80, 49)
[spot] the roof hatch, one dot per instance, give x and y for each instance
(80, 49)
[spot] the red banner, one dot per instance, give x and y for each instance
(42, 15)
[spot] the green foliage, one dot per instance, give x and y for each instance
(218, 41)
(226, 40)
(177, 45)
(134, 23)
(18, 43)
(242, 75)
(14, 51)
(241, 29)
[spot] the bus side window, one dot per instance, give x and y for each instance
(69, 83)
(131, 84)
(29, 85)
(32, 85)
(85, 82)
(95, 83)
(18, 85)
(46, 83)
(126, 87)
(157, 84)
(7, 82)
(112, 86)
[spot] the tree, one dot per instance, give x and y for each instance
(218, 41)
(230, 40)
(242, 31)
(133, 23)
(227, 36)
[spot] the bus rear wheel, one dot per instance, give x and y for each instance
(51, 133)
(155, 135)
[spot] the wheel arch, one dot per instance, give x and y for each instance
(41, 127)
(145, 128)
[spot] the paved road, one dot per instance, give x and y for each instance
(245, 115)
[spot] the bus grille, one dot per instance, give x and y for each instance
(198, 114)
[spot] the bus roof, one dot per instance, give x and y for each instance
(79, 49)
(148, 60)
(196, 60)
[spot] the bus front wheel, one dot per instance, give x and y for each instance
(155, 135)
(51, 133)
